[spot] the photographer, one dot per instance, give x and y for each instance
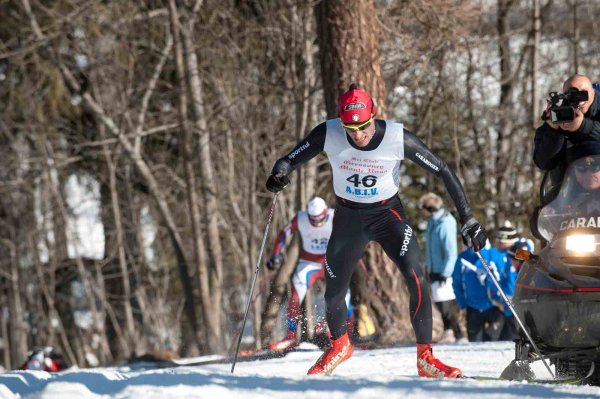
(558, 133)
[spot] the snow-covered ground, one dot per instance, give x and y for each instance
(373, 374)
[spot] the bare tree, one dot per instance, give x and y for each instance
(174, 112)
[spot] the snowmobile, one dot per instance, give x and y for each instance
(557, 292)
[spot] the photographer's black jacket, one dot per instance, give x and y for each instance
(550, 145)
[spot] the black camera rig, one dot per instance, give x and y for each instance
(563, 105)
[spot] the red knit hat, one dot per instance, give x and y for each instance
(356, 106)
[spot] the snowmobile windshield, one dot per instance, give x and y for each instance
(574, 215)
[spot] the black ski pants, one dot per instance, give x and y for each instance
(449, 313)
(354, 225)
(484, 325)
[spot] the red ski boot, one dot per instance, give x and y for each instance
(429, 366)
(340, 351)
(288, 343)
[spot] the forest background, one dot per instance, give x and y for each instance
(136, 138)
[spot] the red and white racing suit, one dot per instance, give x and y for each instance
(311, 260)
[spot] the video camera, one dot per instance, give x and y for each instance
(563, 105)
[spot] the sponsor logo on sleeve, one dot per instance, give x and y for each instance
(298, 150)
(427, 162)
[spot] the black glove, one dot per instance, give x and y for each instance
(276, 183)
(279, 176)
(274, 262)
(474, 235)
(437, 277)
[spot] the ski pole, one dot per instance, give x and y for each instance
(262, 247)
(489, 271)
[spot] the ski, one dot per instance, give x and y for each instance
(565, 381)
(263, 354)
(244, 356)
(251, 355)
(558, 381)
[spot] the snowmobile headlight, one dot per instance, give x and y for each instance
(581, 243)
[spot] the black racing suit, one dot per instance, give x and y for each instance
(355, 224)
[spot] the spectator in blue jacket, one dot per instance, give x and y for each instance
(476, 292)
(440, 256)
(507, 240)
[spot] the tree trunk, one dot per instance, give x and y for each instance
(203, 273)
(536, 27)
(349, 52)
(301, 83)
(502, 164)
(209, 188)
(348, 40)
(119, 291)
(18, 332)
(573, 4)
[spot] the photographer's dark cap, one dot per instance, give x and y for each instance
(356, 106)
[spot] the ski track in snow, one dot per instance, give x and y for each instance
(374, 374)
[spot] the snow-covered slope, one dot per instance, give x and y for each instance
(374, 374)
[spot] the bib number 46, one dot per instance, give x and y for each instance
(366, 181)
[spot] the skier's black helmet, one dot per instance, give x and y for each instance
(583, 149)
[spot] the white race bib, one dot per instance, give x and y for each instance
(365, 176)
(315, 239)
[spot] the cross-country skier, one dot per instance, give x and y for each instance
(365, 155)
(314, 226)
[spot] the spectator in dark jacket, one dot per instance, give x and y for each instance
(552, 140)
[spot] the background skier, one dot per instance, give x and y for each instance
(314, 226)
